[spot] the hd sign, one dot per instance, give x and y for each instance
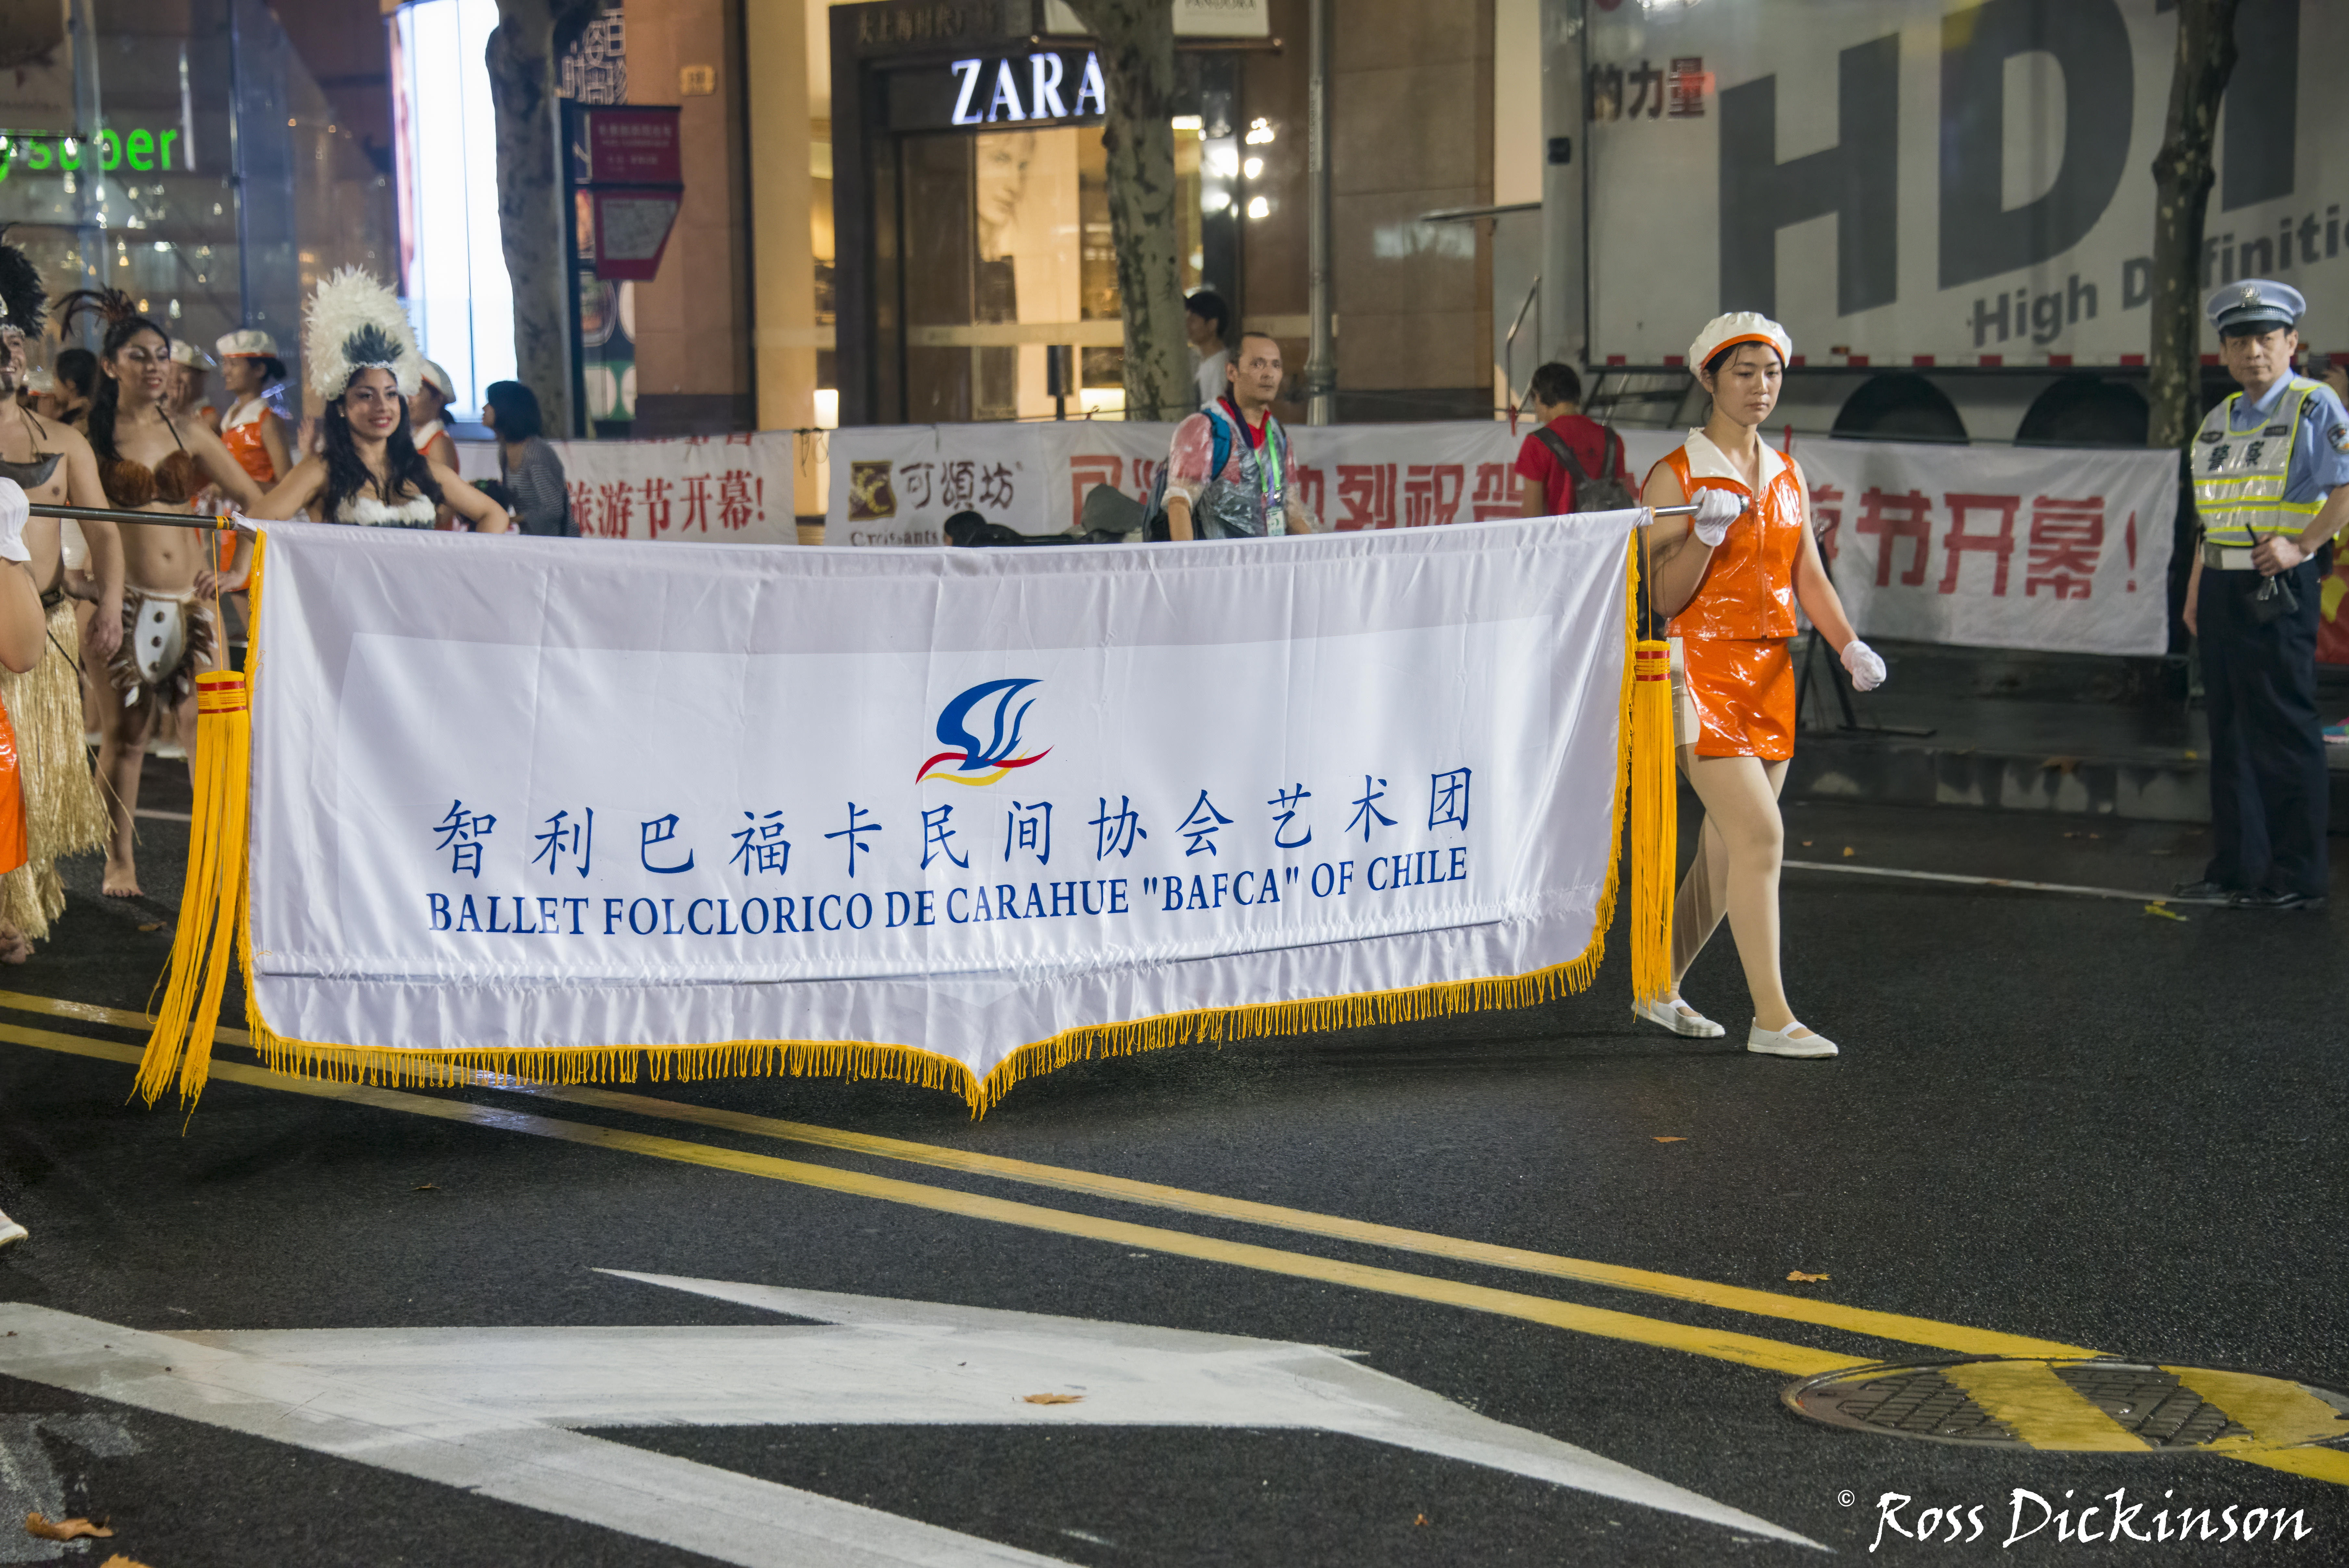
(1917, 181)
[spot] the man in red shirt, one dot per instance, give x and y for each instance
(1548, 487)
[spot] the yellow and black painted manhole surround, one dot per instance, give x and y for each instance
(2099, 1406)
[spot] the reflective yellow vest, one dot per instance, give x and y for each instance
(2240, 475)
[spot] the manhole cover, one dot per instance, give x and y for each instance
(2108, 1407)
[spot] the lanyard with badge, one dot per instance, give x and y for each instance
(1271, 467)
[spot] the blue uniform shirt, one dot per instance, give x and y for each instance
(2320, 448)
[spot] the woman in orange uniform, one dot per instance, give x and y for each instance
(251, 430)
(1731, 587)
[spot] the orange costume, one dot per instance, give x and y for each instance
(1733, 631)
(241, 434)
(12, 850)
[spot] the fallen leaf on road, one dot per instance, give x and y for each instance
(2060, 765)
(428, 1186)
(1806, 844)
(1848, 852)
(1420, 1520)
(153, 926)
(1798, 1275)
(1051, 1399)
(2163, 910)
(120, 1561)
(63, 1529)
(1672, 1140)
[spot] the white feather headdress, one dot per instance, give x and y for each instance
(355, 324)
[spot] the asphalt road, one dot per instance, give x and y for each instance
(2061, 1117)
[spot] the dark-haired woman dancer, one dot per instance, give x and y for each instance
(149, 462)
(1731, 590)
(362, 361)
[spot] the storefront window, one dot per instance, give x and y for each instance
(183, 155)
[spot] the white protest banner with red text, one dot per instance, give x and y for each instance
(2063, 549)
(734, 488)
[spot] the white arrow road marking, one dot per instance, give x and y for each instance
(488, 1408)
(458, 1442)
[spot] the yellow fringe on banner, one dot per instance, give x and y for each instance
(216, 883)
(212, 908)
(1655, 821)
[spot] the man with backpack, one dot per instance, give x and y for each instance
(1230, 474)
(1571, 462)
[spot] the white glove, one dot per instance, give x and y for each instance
(14, 509)
(1865, 665)
(1716, 511)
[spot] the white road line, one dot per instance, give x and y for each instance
(161, 816)
(1980, 881)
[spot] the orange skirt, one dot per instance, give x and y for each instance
(1743, 693)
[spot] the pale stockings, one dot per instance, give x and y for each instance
(1735, 873)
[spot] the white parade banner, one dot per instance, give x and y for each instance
(751, 809)
(2056, 549)
(2059, 549)
(734, 488)
(1976, 178)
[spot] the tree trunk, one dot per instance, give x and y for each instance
(531, 220)
(1137, 51)
(2182, 178)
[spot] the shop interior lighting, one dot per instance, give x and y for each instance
(1189, 122)
(1252, 168)
(1214, 201)
(1227, 161)
(1258, 207)
(1260, 132)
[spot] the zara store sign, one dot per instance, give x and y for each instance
(1048, 85)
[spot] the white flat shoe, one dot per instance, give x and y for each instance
(1797, 1039)
(11, 1232)
(1678, 1016)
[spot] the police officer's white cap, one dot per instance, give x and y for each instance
(2254, 305)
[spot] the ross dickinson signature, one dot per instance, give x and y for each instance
(2111, 1518)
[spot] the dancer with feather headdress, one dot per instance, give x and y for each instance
(360, 356)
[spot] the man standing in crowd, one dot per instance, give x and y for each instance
(1566, 451)
(2271, 469)
(1229, 474)
(1206, 319)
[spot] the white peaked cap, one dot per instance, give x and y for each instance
(1740, 327)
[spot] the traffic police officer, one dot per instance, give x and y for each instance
(2271, 469)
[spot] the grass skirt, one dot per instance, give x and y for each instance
(64, 813)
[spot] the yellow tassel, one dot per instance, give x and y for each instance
(1654, 848)
(212, 910)
(1654, 808)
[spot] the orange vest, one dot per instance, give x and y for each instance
(11, 801)
(242, 435)
(1748, 591)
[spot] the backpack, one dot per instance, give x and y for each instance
(1154, 510)
(1605, 493)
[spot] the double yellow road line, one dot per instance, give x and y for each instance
(2062, 1421)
